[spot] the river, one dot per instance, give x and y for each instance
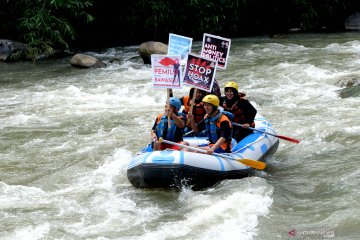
(67, 136)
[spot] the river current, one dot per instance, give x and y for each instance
(67, 136)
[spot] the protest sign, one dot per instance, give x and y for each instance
(166, 71)
(216, 48)
(200, 72)
(179, 45)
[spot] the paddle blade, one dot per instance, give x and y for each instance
(252, 163)
(288, 139)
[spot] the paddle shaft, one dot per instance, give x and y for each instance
(188, 133)
(262, 131)
(196, 149)
(248, 162)
(184, 146)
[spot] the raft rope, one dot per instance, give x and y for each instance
(244, 147)
(249, 144)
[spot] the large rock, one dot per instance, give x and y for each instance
(8, 46)
(349, 81)
(353, 22)
(353, 91)
(148, 48)
(86, 61)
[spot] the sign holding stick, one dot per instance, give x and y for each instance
(168, 106)
(192, 104)
(216, 48)
(193, 100)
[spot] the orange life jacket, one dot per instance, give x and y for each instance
(186, 102)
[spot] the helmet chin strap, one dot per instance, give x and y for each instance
(213, 110)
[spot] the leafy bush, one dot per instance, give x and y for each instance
(47, 24)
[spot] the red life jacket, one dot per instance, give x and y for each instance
(198, 112)
(238, 114)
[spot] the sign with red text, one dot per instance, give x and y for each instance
(166, 71)
(199, 72)
(216, 48)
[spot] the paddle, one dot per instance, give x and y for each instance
(278, 136)
(245, 161)
(188, 133)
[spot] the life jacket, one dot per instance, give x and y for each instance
(186, 103)
(239, 116)
(162, 127)
(212, 125)
(198, 112)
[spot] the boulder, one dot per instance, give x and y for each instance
(86, 61)
(353, 22)
(349, 81)
(8, 46)
(347, 92)
(148, 48)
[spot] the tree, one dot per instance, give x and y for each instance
(47, 24)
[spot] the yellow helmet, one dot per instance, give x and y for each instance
(232, 85)
(212, 99)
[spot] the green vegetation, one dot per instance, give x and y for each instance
(232, 18)
(49, 25)
(45, 25)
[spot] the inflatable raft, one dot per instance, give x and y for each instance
(174, 169)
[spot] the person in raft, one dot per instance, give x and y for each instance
(198, 110)
(217, 124)
(160, 128)
(244, 112)
(216, 89)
